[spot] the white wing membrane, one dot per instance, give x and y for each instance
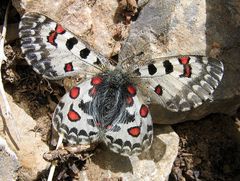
(180, 84)
(134, 137)
(54, 51)
(71, 120)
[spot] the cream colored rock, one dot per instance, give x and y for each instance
(154, 165)
(30, 147)
(93, 21)
(8, 162)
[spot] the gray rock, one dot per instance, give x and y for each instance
(9, 163)
(179, 27)
(156, 164)
(29, 148)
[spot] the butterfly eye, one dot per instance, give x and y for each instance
(96, 80)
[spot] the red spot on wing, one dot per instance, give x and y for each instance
(129, 100)
(109, 126)
(53, 34)
(59, 29)
(96, 80)
(184, 60)
(187, 71)
(74, 92)
(132, 90)
(92, 91)
(143, 111)
(73, 115)
(98, 124)
(134, 131)
(158, 90)
(51, 38)
(68, 67)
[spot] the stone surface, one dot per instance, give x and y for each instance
(30, 147)
(8, 162)
(156, 164)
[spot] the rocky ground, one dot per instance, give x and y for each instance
(208, 149)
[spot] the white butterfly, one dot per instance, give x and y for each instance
(110, 105)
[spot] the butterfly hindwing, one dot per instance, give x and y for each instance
(53, 51)
(134, 135)
(72, 119)
(183, 83)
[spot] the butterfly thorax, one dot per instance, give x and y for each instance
(110, 98)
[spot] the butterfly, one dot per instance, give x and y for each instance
(111, 103)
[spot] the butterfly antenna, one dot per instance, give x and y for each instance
(54, 163)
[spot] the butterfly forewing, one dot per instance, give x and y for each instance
(53, 51)
(181, 83)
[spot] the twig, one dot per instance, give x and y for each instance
(67, 151)
(6, 113)
(54, 163)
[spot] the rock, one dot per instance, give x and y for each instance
(30, 148)
(171, 28)
(87, 19)
(153, 165)
(9, 163)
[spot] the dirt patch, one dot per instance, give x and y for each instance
(209, 149)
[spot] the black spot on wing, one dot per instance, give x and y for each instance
(47, 65)
(91, 122)
(92, 133)
(137, 72)
(127, 144)
(145, 137)
(84, 53)
(136, 145)
(168, 66)
(152, 69)
(73, 138)
(61, 104)
(116, 128)
(110, 138)
(71, 42)
(65, 128)
(84, 107)
(128, 119)
(98, 62)
(149, 128)
(82, 133)
(118, 142)
(73, 130)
